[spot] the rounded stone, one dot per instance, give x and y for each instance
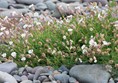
(51, 5)
(35, 69)
(18, 78)
(4, 4)
(5, 77)
(15, 72)
(18, 6)
(29, 1)
(24, 78)
(26, 81)
(36, 81)
(41, 6)
(30, 76)
(72, 80)
(29, 69)
(18, 11)
(41, 78)
(8, 67)
(70, 1)
(63, 68)
(40, 71)
(90, 73)
(21, 70)
(63, 78)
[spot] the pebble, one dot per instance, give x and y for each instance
(17, 77)
(90, 73)
(11, 1)
(38, 72)
(29, 69)
(41, 6)
(36, 81)
(29, 2)
(8, 67)
(42, 78)
(63, 68)
(35, 69)
(72, 80)
(63, 78)
(30, 76)
(70, 1)
(23, 77)
(51, 5)
(20, 71)
(4, 4)
(26, 81)
(17, 6)
(5, 77)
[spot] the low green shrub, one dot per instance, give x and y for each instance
(75, 39)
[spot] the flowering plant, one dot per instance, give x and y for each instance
(82, 39)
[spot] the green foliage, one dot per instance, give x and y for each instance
(80, 39)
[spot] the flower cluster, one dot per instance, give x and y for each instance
(91, 38)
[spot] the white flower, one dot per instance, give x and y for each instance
(69, 17)
(95, 61)
(1, 33)
(84, 51)
(71, 41)
(23, 58)
(30, 51)
(64, 37)
(6, 17)
(10, 43)
(70, 30)
(36, 14)
(23, 35)
(80, 60)
(25, 26)
(13, 54)
(80, 20)
(68, 20)
(78, 7)
(92, 36)
(21, 19)
(99, 15)
(3, 28)
(32, 5)
(4, 55)
(7, 32)
(91, 29)
(92, 42)
(60, 22)
(37, 23)
(106, 43)
(104, 12)
(83, 47)
(13, 13)
(54, 51)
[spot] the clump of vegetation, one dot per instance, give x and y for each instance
(80, 38)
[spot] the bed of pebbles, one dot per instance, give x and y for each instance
(10, 73)
(55, 8)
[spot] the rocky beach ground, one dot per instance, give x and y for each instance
(37, 8)
(44, 9)
(10, 73)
